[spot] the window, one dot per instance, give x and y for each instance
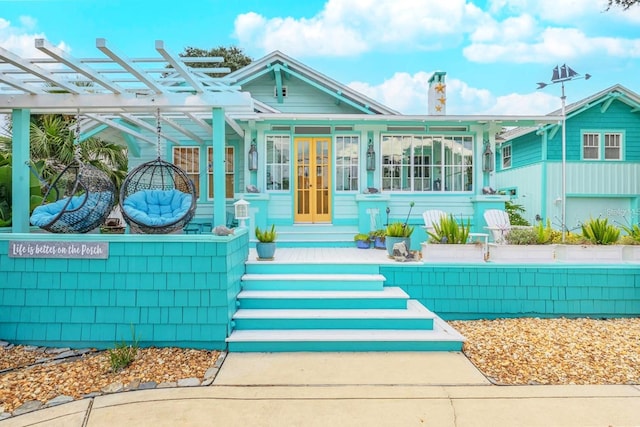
(609, 149)
(506, 156)
(427, 163)
(188, 159)
(612, 145)
(277, 162)
(347, 166)
(229, 169)
(591, 146)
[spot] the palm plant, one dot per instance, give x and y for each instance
(599, 232)
(449, 231)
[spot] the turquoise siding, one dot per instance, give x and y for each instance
(477, 292)
(301, 97)
(525, 151)
(618, 117)
(174, 290)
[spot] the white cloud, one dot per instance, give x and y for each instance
(351, 27)
(19, 39)
(557, 11)
(553, 44)
(408, 94)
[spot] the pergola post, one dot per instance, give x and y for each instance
(20, 172)
(219, 181)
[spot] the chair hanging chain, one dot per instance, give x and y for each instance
(158, 130)
(76, 150)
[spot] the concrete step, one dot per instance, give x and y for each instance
(387, 298)
(441, 338)
(311, 282)
(252, 266)
(415, 316)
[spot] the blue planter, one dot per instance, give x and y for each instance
(265, 250)
(363, 244)
(390, 241)
(379, 243)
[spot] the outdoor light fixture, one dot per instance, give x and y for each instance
(371, 157)
(560, 75)
(241, 208)
(488, 161)
(253, 156)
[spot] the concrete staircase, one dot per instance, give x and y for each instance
(329, 307)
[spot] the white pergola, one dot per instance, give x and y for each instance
(121, 93)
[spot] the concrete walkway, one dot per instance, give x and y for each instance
(350, 389)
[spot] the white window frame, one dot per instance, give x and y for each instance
(591, 140)
(607, 140)
(281, 169)
(193, 168)
(507, 156)
(352, 166)
(229, 169)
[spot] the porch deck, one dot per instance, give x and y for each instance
(327, 255)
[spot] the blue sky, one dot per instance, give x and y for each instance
(493, 51)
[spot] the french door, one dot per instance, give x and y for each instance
(312, 201)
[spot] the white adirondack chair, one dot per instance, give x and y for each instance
(498, 223)
(432, 217)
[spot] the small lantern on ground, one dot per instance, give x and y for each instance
(241, 208)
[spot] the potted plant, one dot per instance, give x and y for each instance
(532, 244)
(450, 242)
(398, 232)
(379, 238)
(266, 245)
(362, 241)
(596, 243)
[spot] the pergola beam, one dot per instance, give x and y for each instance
(25, 87)
(179, 67)
(235, 126)
(182, 130)
(121, 128)
(75, 65)
(33, 69)
(128, 65)
(141, 123)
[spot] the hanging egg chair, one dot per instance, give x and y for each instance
(157, 197)
(78, 200)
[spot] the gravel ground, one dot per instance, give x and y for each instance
(91, 373)
(507, 351)
(554, 351)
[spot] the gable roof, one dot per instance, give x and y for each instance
(277, 62)
(605, 97)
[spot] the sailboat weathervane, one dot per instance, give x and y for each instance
(562, 74)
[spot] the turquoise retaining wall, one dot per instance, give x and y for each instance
(175, 290)
(478, 291)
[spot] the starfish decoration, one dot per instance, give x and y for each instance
(440, 88)
(438, 107)
(442, 100)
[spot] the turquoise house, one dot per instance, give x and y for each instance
(602, 163)
(321, 162)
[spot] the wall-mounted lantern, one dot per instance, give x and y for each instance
(241, 208)
(488, 160)
(371, 157)
(253, 156)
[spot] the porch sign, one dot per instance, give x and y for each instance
(42, 249)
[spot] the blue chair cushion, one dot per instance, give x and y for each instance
(157, 208)
(44, 214)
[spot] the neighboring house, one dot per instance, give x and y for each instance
(602, 162)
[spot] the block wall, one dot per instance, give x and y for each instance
(173, 290)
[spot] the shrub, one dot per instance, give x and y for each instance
(515, 212)
(399, 229)
(522, 236)
(123, 354)
(545, 234)
(266, 236)
(448, 231)
(600, 232)
(633, 234)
